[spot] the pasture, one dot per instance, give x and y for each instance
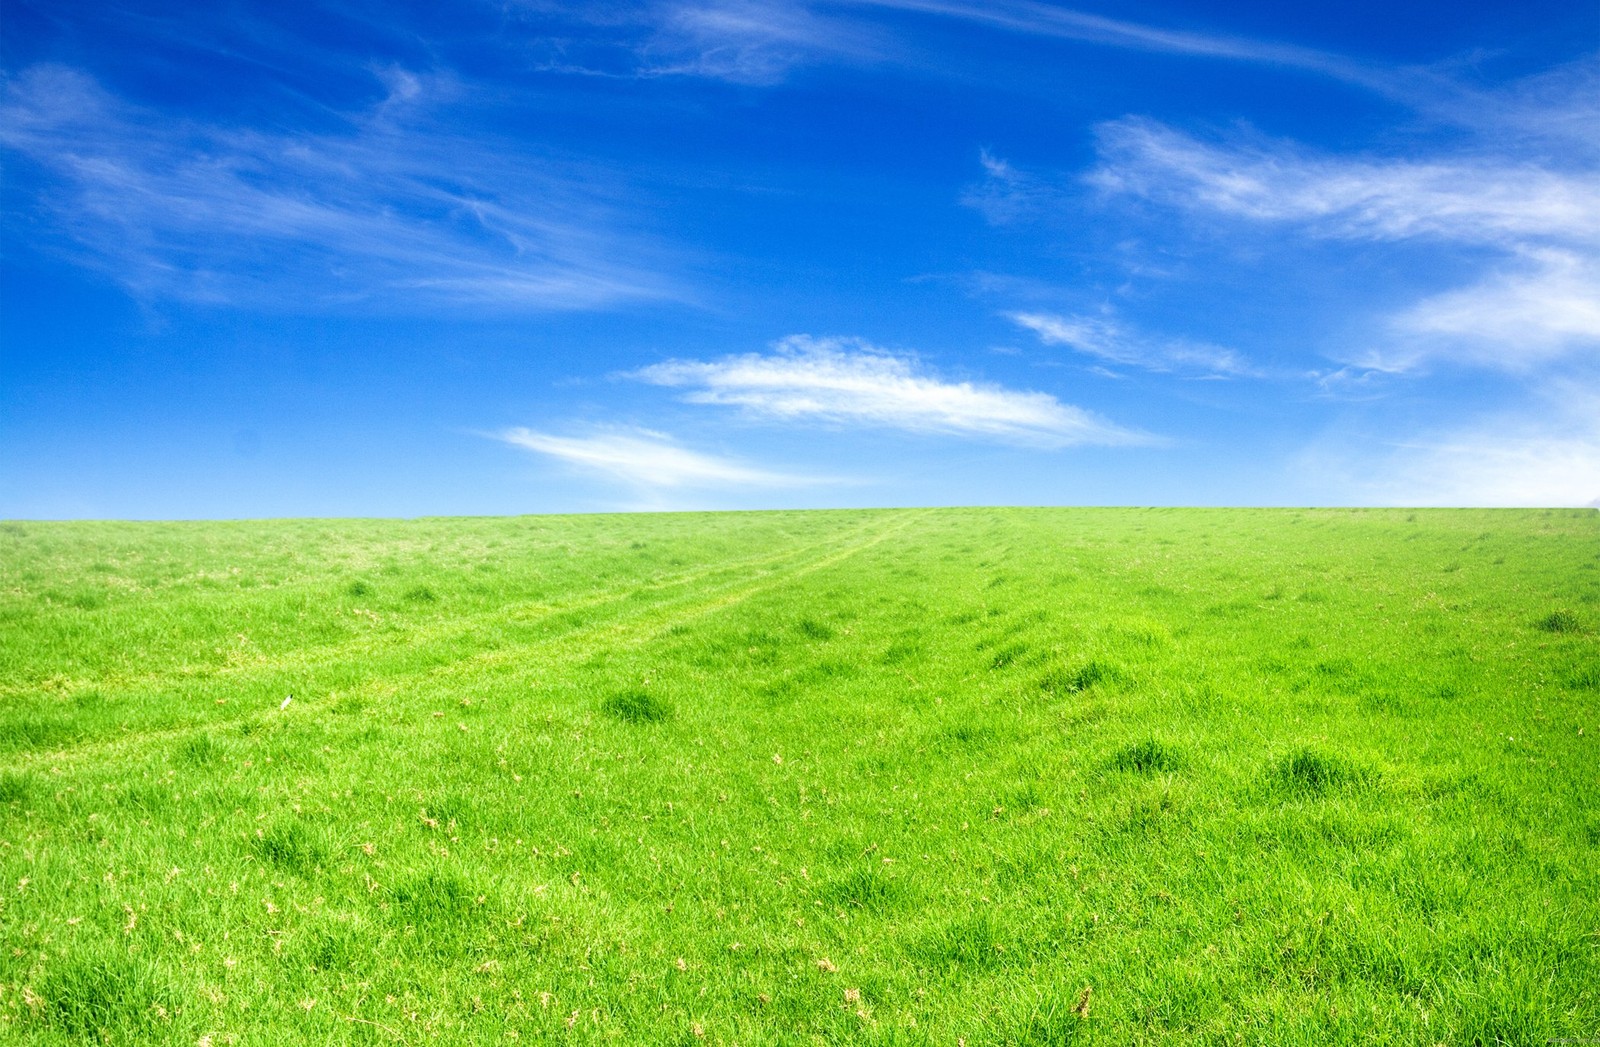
(992, 776)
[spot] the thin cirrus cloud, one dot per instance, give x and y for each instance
(1546, 305)
(1117, 343)
(846, 381)
(760, 42)
(380, 212)
(1546, 454)
(1046, 20)
(749, 42)
(647, 459)
(1006, 193)
(1491, 201)
(1531, 308)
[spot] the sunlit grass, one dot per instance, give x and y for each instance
(1008, 776)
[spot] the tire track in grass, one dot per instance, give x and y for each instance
(613, 634)
(402, 641)
(368, 642)
(584, 639)
(392, 646)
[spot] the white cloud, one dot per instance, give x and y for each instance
(847, 381)
(647, 459)
(1007, 193)
(1116, 343)
(1049, 20)
(1540, 304)
(1544, 309)
(1553, 113)
(1480, 201)
(750, 41)
(760, 41)
(1546, 453)
(385, 210)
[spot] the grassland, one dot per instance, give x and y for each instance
(901, 777)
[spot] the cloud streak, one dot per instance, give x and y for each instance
(1046, 20)
(642, 458)
(1468, 201)
(1543, 308)
(754, 43)
(1537, 306)
(846, 381)
(750, 42)
(1548, 455)
(759, 42)
(1114, 342)
(380, 212)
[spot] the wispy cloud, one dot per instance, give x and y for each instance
(1543, 307)
(1535, 306)
(1545, 455)
(1553, 113)
(1115, 342)
(847, 381)
(647, 459)
(1047, 20)
(761, 41)
(751, 41)
(382, 210)
(1007, 193)
(1470, 200)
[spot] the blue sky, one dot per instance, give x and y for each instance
(502, 257)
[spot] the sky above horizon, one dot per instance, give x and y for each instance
(360, 259)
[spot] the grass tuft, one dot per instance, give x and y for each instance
(862, 889)
(974, 942)
(637, 707)
(107, 998)
(1312, 773)
(15, 787)
(1080, 678)
(199, 751)
(292, 846)
(1562, 621)
(814, 629)
(435, 900)
(1148, 757)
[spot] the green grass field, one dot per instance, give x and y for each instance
(912, 776)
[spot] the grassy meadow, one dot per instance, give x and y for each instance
(896, 777)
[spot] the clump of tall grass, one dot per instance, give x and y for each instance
(1310, 772)
(1562, 621)
(1080, 677)
(1148, 757)
(14, 787)
(292, 846)
(815, 630)
(637, 707)
(199, 751)
(109, 997)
